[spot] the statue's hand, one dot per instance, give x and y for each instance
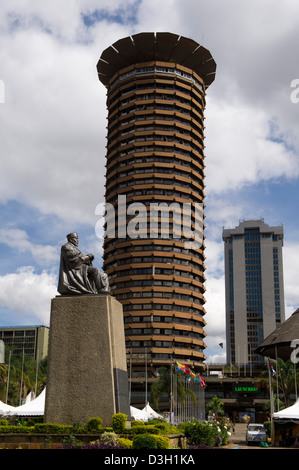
(91, 256)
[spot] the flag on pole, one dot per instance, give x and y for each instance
(271, 368)
(178, 367)
(202, 382)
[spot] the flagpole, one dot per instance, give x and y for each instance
(130, 377)
(271, 401)
(8, 374)
(171, 392)
(145, 357)
(22, 378)
(277, 389)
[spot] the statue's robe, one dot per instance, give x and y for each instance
(73, 278)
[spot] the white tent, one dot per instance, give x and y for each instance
(150, 413)
(6, 409)
(292, 412)
(34, 407)
(137, 414)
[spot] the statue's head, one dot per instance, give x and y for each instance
(73, 238)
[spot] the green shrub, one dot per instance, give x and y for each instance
(93, 426)
(119, 422)
(3, 422)
(125, 443)
(52, 428)
(162, 442)
(163, 427)
(137, 423)
(144, 441)
(143, 429)
(109, 437)
(12, 429)
(200, 433)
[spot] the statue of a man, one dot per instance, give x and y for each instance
(77, 275)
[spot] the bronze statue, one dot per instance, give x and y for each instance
(77, 275)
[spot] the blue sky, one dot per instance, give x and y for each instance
(53, 135)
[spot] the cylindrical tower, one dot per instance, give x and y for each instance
(156, 87)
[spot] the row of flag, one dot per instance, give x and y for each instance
(177, 366)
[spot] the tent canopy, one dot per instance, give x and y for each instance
(145, 414)
(292, 412)
(34, 407)
(150, 413)
(137, 414)
(5, 409)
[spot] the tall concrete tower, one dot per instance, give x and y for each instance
(156, 85)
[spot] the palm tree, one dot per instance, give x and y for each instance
(215, 406)
(164, 385)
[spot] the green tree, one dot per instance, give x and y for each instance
(278, 404)
(23, 372)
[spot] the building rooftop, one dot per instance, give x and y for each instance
(164, 47)
(252, 223)
(280, 339)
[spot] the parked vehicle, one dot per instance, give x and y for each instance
(256, 433)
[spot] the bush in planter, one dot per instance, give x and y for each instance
(119, 422)
(93, 426)
(109, 438)
(52, 428)
(143, 429)
(12, 429)
(162, 442)
(200, 434)
(144, 441)
(137, 423)
(125, 443)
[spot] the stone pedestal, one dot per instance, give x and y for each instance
(87, 371)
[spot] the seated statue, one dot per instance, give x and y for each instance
(77, 275)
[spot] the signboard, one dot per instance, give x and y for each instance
(245, 389)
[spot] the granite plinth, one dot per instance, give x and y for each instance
(87, 371)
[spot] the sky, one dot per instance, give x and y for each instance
(53, 121)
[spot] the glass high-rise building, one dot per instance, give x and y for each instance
(253, 286)
(156, 85)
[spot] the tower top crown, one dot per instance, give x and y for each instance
(165, 47)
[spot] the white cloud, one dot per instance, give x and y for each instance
(291, 271)
(26, 292)
(44, 255)
(240, 150)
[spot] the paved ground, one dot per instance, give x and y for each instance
(238, 438)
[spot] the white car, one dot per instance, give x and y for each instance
(256, 433)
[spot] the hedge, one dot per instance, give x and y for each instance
(144, 429)
(12, 429)
(51, 428)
